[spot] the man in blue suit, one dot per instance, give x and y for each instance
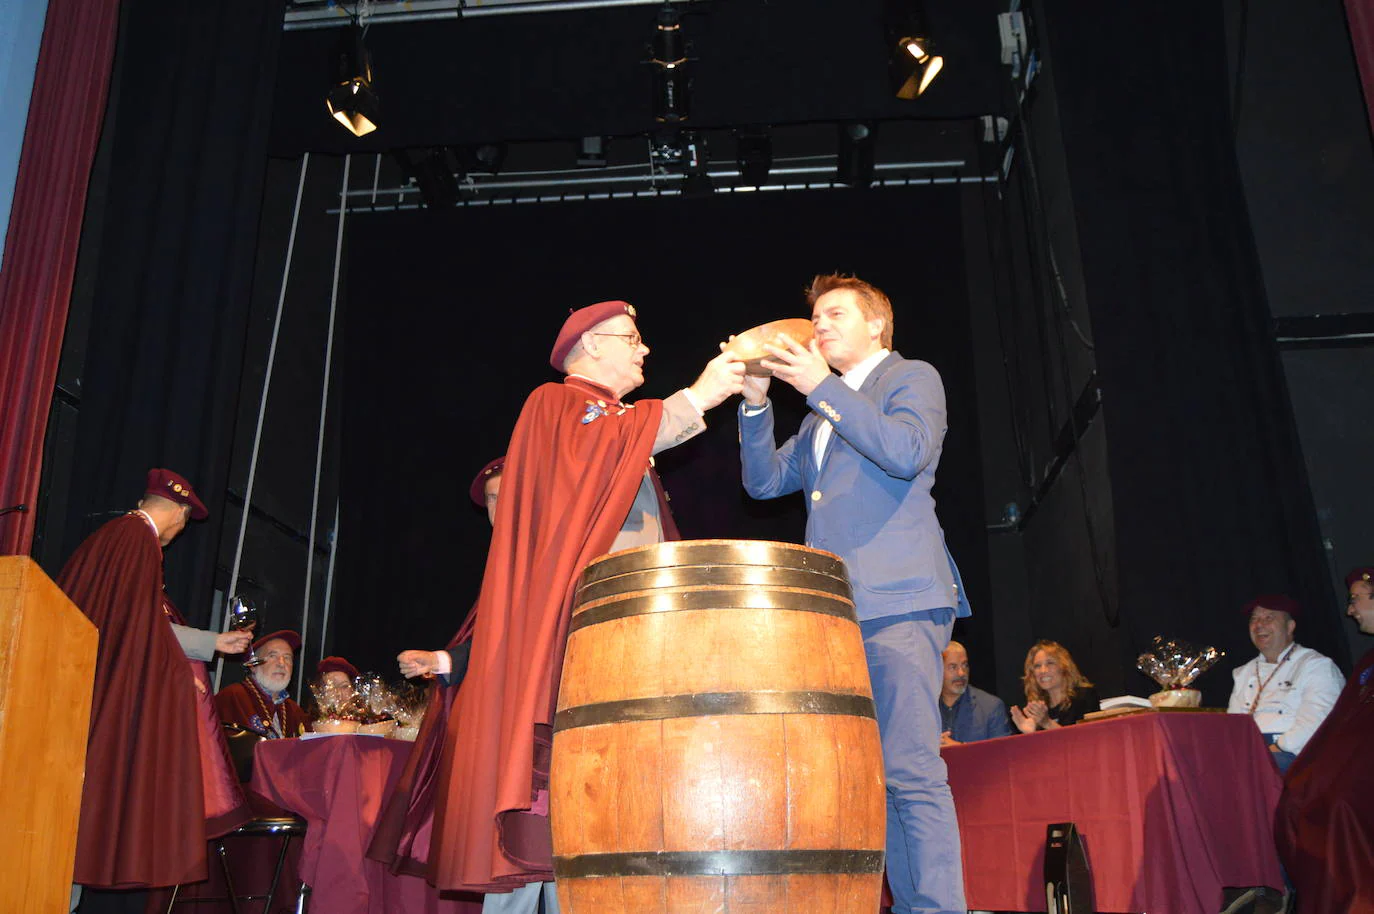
(967, 713)
(865, 459)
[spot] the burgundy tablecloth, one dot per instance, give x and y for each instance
(338, 784)
(1172, 808)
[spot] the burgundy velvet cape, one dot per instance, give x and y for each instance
(144, 811)
(402, 838)
(236, 705)
(1325, 821)
(566, 490)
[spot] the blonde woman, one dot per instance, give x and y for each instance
(1057, 694)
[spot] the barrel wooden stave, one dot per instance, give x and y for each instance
(745, 650)
(723, 895)
(742, 784)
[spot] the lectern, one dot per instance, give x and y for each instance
(47, 665)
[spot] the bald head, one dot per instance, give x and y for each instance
(956, 673)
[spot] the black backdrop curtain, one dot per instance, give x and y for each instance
(1210, 491)
(165, 271)
(451, 316)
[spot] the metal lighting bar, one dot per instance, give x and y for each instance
(326, 17)
(636, 180)
(580, 195)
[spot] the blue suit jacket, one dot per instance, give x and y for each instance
(979, 715)
(869, 499)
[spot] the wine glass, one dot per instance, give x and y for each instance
(243, 615)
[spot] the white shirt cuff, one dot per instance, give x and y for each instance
(755, 410)
(691, 398)
(443, 663)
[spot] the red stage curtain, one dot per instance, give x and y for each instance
(1360, 14)
(65, 114)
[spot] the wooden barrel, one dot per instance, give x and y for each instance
(715, 747)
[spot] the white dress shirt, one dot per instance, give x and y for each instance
(853, 379)
(1298, 692)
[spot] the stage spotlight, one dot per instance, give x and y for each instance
(352, 101)
(432, 171)
(754, 154)
(672, 87)
(913, 63)
(855, 165)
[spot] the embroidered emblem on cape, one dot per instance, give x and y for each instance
(598, 408)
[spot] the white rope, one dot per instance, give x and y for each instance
(324, 409)
(329, 581)
(262, 410)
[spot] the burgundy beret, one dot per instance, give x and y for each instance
(336, 665)
(174, 487)
(1275, 601)
(579, 322)
(1360, 574)
(292, 639)
(478, 490)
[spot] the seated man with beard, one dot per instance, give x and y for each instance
(260, 703)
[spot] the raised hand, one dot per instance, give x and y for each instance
(233, 642)
(722, 377)
(801, 366)
(417, 663)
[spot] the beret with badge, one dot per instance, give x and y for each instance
(1359, 575)
(478, 490)
(579, 322)
(174, 487)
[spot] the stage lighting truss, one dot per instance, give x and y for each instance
(675, 161)
(352, 101)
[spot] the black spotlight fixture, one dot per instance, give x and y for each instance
(352, 101)
(672, 86)
(913, 62)
(855, 160)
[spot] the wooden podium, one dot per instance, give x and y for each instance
(47, 665)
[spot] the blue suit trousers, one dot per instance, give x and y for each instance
(924, 863)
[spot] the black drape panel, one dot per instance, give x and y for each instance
(172, 237)
(451, 317)
(1210, 492)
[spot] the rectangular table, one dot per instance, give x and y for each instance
(339, 785)
(1172, 808)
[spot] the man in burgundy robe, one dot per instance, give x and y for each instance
(578, 483)
(1325, 821)
(158, 777)
(402, 838)
(261, 703)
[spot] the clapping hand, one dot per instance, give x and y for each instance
(1036, 716)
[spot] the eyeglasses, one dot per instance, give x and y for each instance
(631, 339)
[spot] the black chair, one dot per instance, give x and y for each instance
(242, 744)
